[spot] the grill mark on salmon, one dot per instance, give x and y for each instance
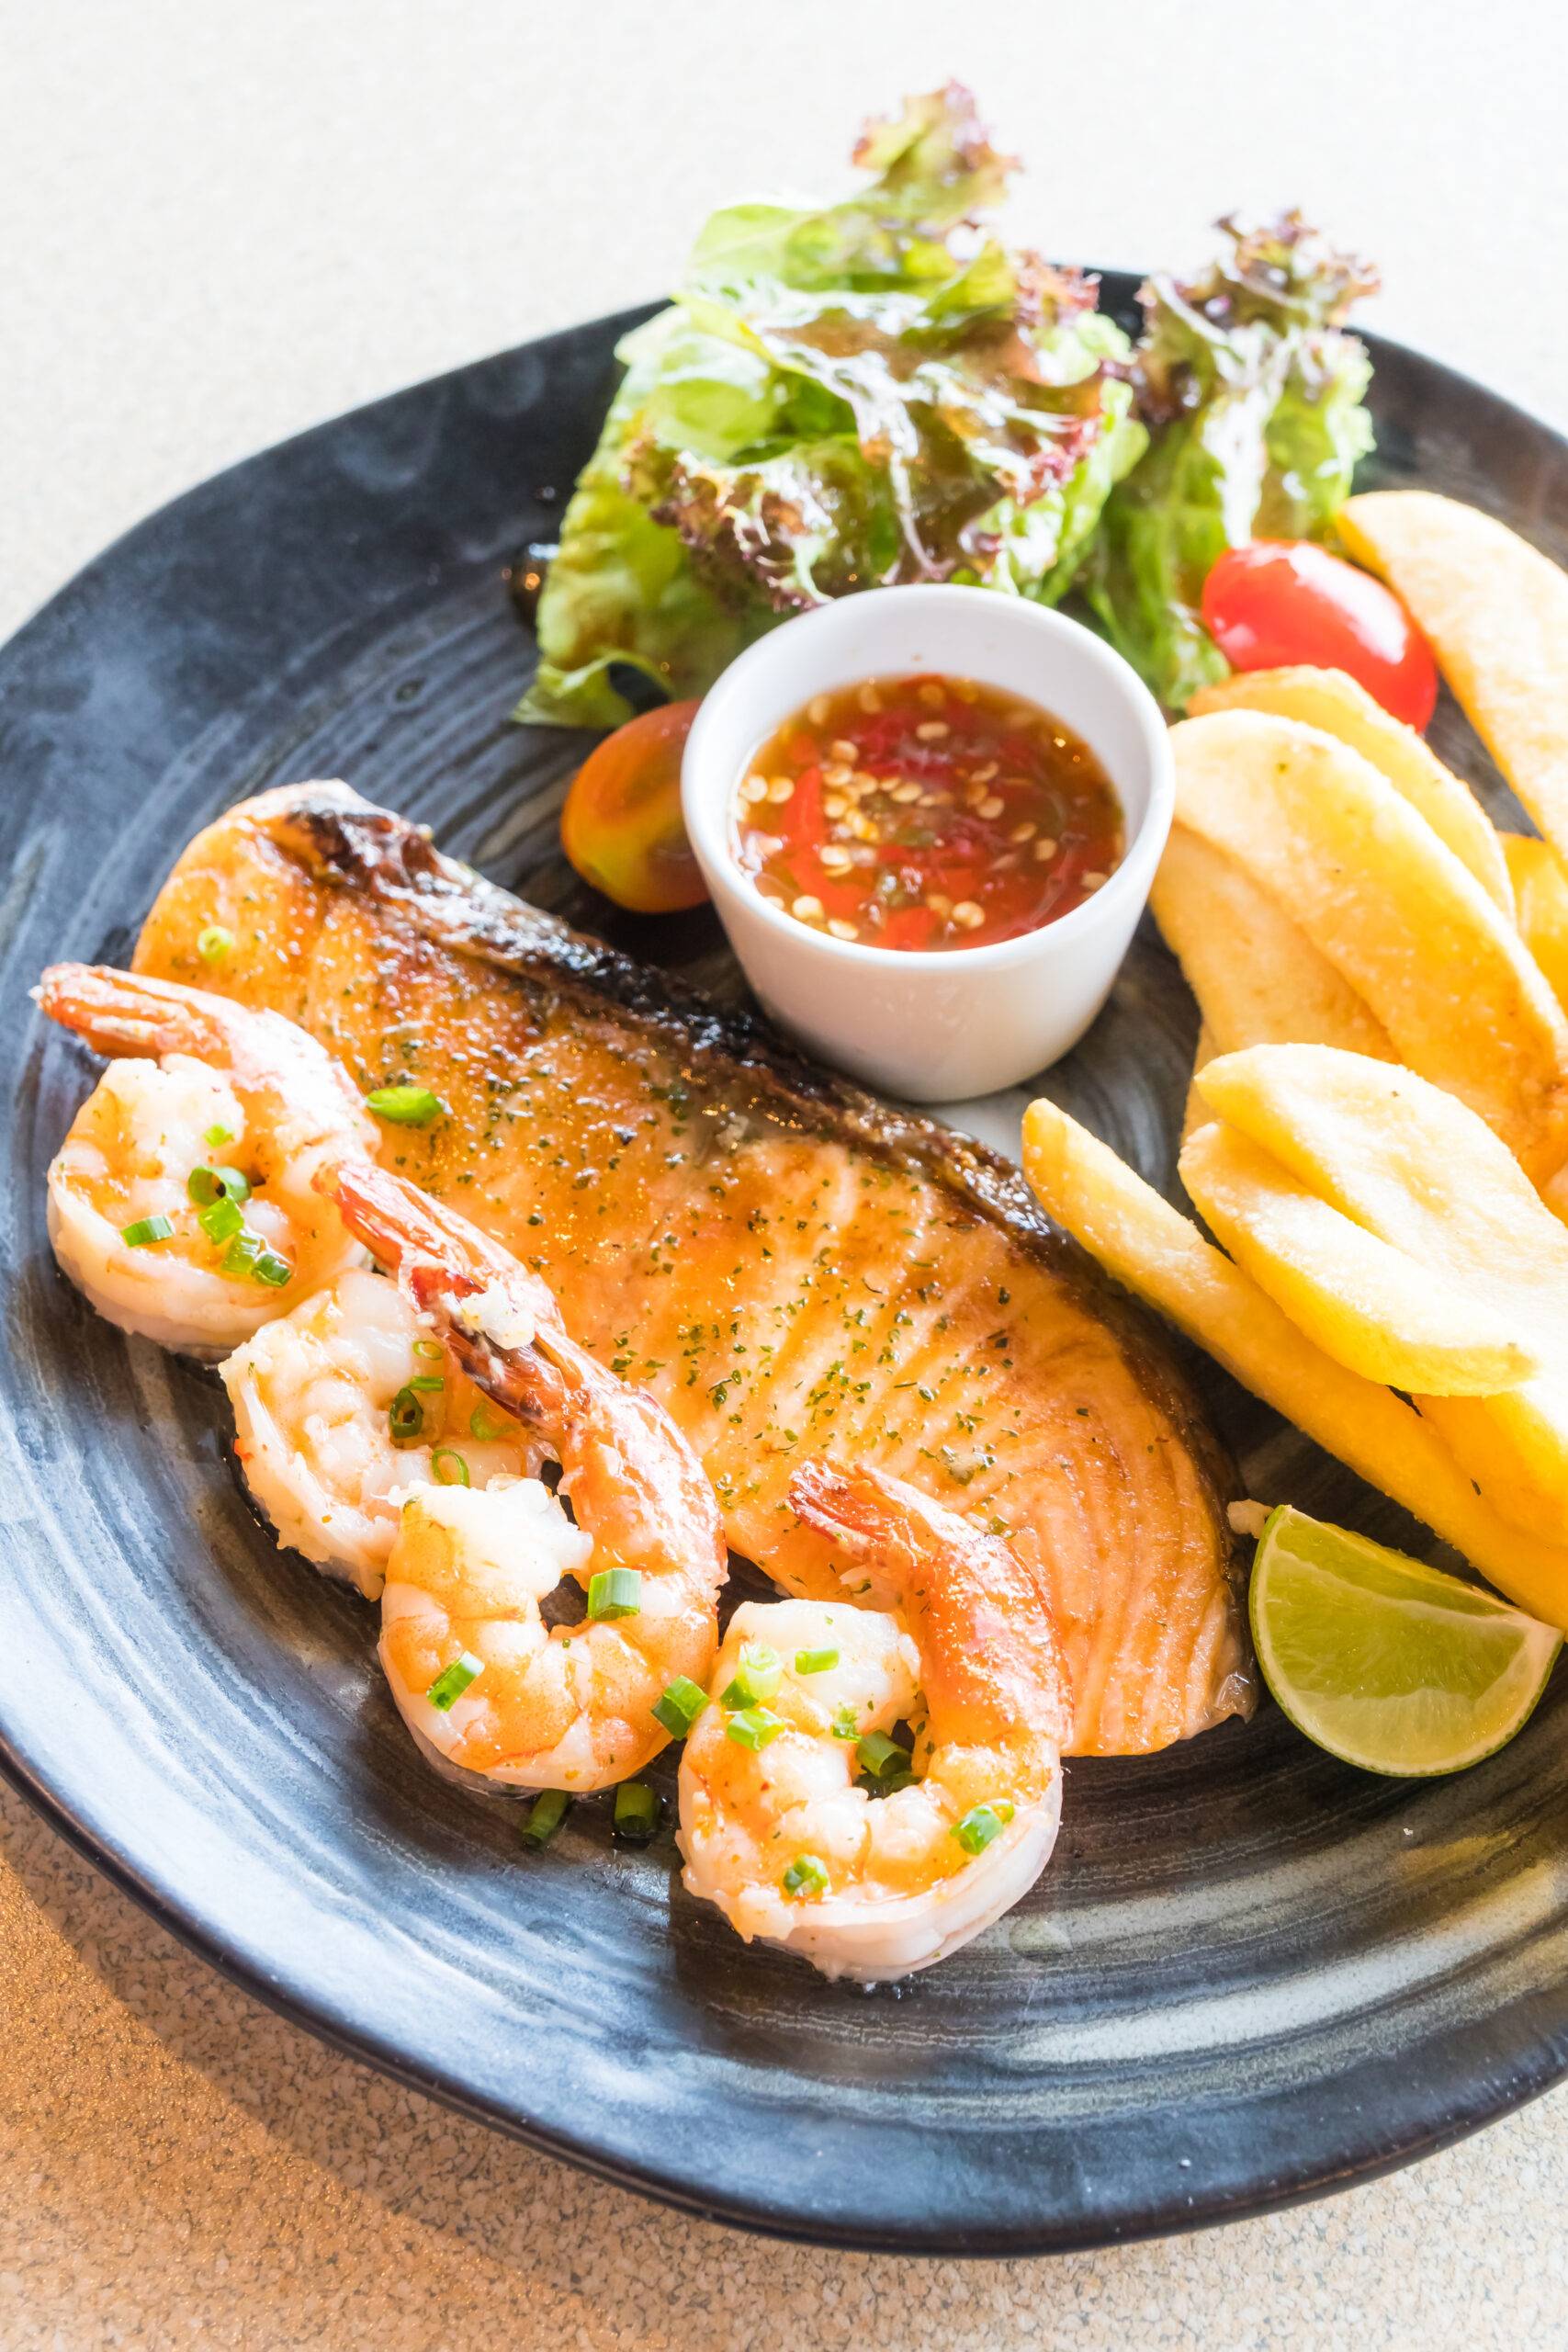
(792, 1267)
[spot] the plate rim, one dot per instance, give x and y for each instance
(1532, 2066)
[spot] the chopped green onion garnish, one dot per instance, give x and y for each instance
(215, 941)
(405, 1106)
(145, 1229)
(546, 1815)
(456, 1470)
(880, 1755)
(615, 1592)
(756, 1677)
(453, 1681)
(981, 1824)
(637, 1811)
(894, 1782)
(240, 1258)
(405, 1418)
(216, 1137)
(247, 1254)
(221, 1219)
(805, 1875)
(204, 1185)
(815, 1661)
(484, 1426)
(755, 1727)
(433, 1348)
(679, 1704)
(846, 1723)
(429, 1384)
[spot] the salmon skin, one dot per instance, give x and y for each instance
(794, 1269)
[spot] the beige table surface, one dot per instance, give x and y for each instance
(223, 223)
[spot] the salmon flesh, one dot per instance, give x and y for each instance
(794, 1269)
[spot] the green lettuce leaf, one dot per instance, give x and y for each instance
(870, 392)
(1252, 395)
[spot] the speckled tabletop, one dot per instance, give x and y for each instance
(225, 224)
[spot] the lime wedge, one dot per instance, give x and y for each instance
(1387, 1663)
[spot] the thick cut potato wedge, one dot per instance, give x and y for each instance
(1515, 1447)
(1146, 1244)
(1495, 612)
(1335, 703)
(1257, 977)
(1541, 895)
(1392, 909)
(1413, 1166)
(1367, 1304)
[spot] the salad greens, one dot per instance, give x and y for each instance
(1252, 395)
(877, 391)
(881, 391)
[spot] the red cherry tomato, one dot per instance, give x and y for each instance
(1278, 602)
(621, 826)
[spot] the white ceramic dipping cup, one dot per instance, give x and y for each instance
(933, 1025)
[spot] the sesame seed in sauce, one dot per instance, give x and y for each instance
(829, 806)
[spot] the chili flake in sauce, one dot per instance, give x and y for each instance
(926, 812)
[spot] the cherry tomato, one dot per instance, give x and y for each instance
(621, 826)
(1278, 602)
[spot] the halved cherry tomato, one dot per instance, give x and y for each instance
(1275, 603)
(621, 826)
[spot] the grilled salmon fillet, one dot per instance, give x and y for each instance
(792, 1269)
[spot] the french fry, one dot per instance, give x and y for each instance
(1387, 904)
(1335, 704)
(1144, 1242)
(1413, 1166)
(1363, 1302)
(1541, 895)
(1495, 612)
(1257, 978)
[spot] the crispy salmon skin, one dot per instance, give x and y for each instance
(793, 1270)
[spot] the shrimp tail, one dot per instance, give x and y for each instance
(983, 1616)
(120, 1013)
(861, 1510)
(435, 1253)
(440, 1261)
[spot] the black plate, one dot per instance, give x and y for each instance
(1249, 1976)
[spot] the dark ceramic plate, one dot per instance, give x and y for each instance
(1249, 1976)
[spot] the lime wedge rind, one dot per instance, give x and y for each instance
(1391, 1666)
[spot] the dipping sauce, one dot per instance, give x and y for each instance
(926, 812)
